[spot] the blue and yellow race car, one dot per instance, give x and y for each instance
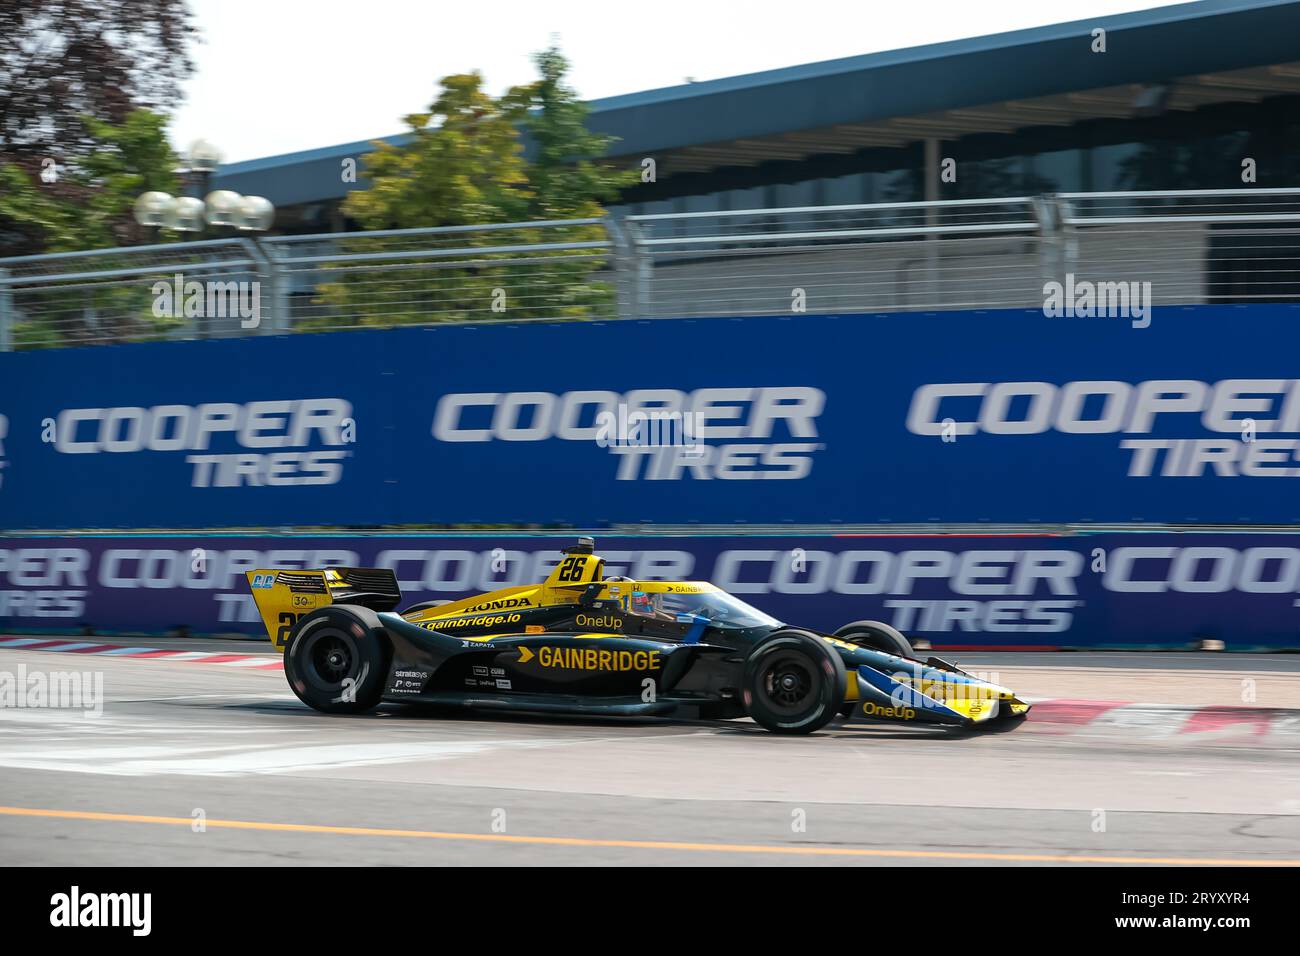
(584, 643)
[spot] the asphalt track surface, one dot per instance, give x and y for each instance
(210, 765)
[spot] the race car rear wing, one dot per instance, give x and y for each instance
(284, 596)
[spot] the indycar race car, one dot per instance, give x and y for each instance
(582, 643)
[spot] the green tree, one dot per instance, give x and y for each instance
(464, 164)
(89, 204)
(66, 65)
(565, 176)
(567, 179)
(90, 207)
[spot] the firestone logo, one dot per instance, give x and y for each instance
(744, 433)
(264, 430)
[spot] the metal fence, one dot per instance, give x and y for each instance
(1193, 247)
(518, 271)
(887, 257)
(130, 294)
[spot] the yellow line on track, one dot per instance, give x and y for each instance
(631, 844)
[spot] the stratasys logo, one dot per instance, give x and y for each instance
(4, 433)
(736, 433)
(279, 442)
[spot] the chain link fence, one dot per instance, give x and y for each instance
(139, 294)
(1225, 246)
(965, 254)
(1201, 246)
(514, 271)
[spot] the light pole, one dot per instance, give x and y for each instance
(222, 208)
(204, 158)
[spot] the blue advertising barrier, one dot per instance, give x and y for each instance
(973, 591)
(999, 416)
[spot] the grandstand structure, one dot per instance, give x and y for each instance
(1177, 99)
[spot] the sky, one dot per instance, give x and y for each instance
(278, 76)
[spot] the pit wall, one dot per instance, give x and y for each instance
(1135, 590)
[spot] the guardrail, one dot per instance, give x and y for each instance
(1193, 247)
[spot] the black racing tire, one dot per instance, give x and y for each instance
(794, 682)
(336, 659)
(877, 636)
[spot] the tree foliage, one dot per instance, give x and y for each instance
(565, 177)
(464, 162)
(90, 207)
(77, 76)
(476, 159)
(463, 165)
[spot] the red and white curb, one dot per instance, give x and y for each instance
(1066, 716)
(268, 662)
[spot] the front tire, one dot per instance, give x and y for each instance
(877, 636)
(336, 660)
(794, 683)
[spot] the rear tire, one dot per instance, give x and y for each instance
(877, 636)
(336, 660)
(794, 682)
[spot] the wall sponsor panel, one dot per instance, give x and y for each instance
(1004, 416)
(1139, 589)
